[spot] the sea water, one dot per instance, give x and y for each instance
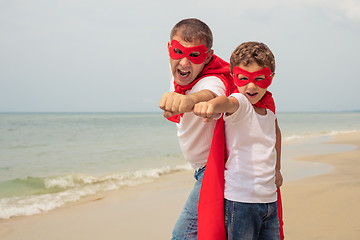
(50, 159)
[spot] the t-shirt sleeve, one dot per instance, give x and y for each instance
(171, 87)
(211, 83)
(244, 107)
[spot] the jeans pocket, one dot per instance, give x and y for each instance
(199, 173)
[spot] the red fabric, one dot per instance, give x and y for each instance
(266, 101)
(251, 77)
(181, 90)
(196, 55)
(216, 67)
(211, 222)
(280, 214)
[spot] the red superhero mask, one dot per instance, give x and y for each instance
(252, 77)
(196, 55)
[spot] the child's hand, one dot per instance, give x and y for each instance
(278, 178)
(205, 110)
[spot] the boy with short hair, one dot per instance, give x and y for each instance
(251, 134)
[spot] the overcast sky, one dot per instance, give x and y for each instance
(107, 55)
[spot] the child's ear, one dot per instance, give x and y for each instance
(272, 76)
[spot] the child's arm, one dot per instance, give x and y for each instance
(220, 104)
(278, 175)
(174, 103)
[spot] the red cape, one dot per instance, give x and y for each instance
(211, 221)
(216, 67)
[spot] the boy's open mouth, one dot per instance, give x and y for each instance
(183, 73)
(252, 94)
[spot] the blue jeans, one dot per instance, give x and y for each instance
(251, 221)
(186, 225)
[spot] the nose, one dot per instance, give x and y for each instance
(184, 62)
(251, 85)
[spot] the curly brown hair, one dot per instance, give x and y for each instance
(193, 28)
(249, 52)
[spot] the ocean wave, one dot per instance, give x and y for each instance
(304, 136)
(333, 132)
(293, 137)
(54, 192)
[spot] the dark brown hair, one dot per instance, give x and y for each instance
(249, 52)
(191, 29)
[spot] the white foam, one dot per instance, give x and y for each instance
(333, 132)
(293, 137)
(61, 182)
(76, 186)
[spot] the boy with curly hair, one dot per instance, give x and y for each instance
(252, 170)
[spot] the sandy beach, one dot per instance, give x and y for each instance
(319, 207)
(326, 206)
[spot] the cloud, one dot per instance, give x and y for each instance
(344, 10)
(337, 10)
(94, 53)
(351, 9)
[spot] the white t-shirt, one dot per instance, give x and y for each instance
(194, 134)
(250, 143)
